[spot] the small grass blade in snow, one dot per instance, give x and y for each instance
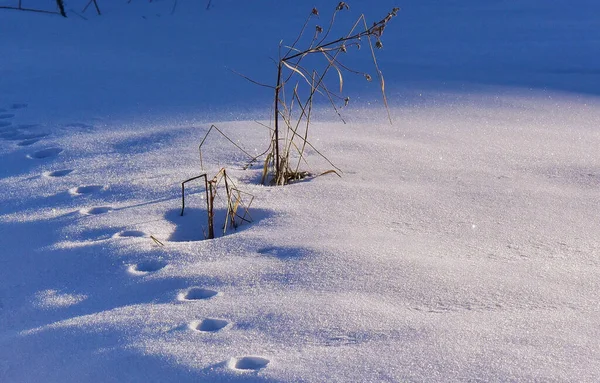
(156, 241)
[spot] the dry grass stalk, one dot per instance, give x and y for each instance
(237, 202)
(19, 7)
(290, 133)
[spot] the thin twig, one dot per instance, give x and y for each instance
(77, 14)
(379, 75)
(252, 81)
(224, 135)
(30, 10)
(183, 190)
(156, 240)
(300, 34)
(329, 28)
(61, 7)
(264, 125)
(90, 3)
(97, 8)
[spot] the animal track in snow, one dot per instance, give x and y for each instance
(28, 142)
(4, 116)
(130, 234)
(209, 325)
(16, 135)
(81, 190)
(27, 126)
(58, 173)
(46, 153)
(248, 363)
(96, 210)
(146, 267)
(196, 293)
(286, 253)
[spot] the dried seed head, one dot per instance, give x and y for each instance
(377, 30)
(315, 12)
(368, 77)
(341, 6)
(378, 44)
(319, 29)
(346, 101)
(389, 16)
(343, 48)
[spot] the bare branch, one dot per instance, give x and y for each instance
(30, 10)
(252, 81)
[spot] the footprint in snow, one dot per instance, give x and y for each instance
(130, 234)
(146, 267)
(82, 190)
(45, 153)
(4, 116)
(28, 142)
(196, 293)
(209, 325)
(248, 363)
(58, 173)
(27, 126)
(16, 134)
(96, 210)
(19, 106)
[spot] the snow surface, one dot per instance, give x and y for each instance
(460, 244)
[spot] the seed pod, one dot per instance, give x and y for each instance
(341, 6)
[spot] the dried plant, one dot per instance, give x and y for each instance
(19, 7)
(95, 6)
(289, 139)
(293, 110)
(237, 202)
(61, 7)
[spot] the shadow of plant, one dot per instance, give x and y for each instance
(192, 226)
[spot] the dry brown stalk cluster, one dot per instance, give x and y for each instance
(292, 112)
(298, 83)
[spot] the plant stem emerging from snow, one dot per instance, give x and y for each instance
(61, 7)
(292, 60)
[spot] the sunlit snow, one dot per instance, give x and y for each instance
(461, 242)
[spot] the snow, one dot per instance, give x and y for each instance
(460, 244)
